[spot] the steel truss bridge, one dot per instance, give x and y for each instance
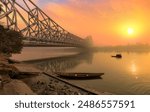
(36, 26)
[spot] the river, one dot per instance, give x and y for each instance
(129, 75)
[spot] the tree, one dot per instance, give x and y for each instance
(10, 41)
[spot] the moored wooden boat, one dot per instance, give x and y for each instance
(79, 75)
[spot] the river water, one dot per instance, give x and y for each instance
(129, 75)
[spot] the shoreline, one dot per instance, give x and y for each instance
(17, 78)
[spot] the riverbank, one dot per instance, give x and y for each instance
(21, 79)
(9, 86)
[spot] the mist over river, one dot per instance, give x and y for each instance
(129, 75)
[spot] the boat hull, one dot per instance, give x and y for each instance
(80, 75)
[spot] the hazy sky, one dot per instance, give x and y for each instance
(109, 22)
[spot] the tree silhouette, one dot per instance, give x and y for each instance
(10, 40)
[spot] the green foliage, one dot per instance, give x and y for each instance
(10, 41)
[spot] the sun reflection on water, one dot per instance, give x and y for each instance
(134, 69)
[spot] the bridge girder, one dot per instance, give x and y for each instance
(34, 24)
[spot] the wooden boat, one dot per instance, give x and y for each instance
(79, 75)
(117, 56)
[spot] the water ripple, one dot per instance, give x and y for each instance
(140, 88)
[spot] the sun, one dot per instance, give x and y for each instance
(130, 31)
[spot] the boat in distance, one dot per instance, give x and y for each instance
(79, 75)
(117, 56)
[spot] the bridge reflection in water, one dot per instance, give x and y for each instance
(62, 64)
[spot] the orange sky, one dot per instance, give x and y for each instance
(106, 21)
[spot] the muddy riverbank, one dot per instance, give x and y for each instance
(15, 82)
